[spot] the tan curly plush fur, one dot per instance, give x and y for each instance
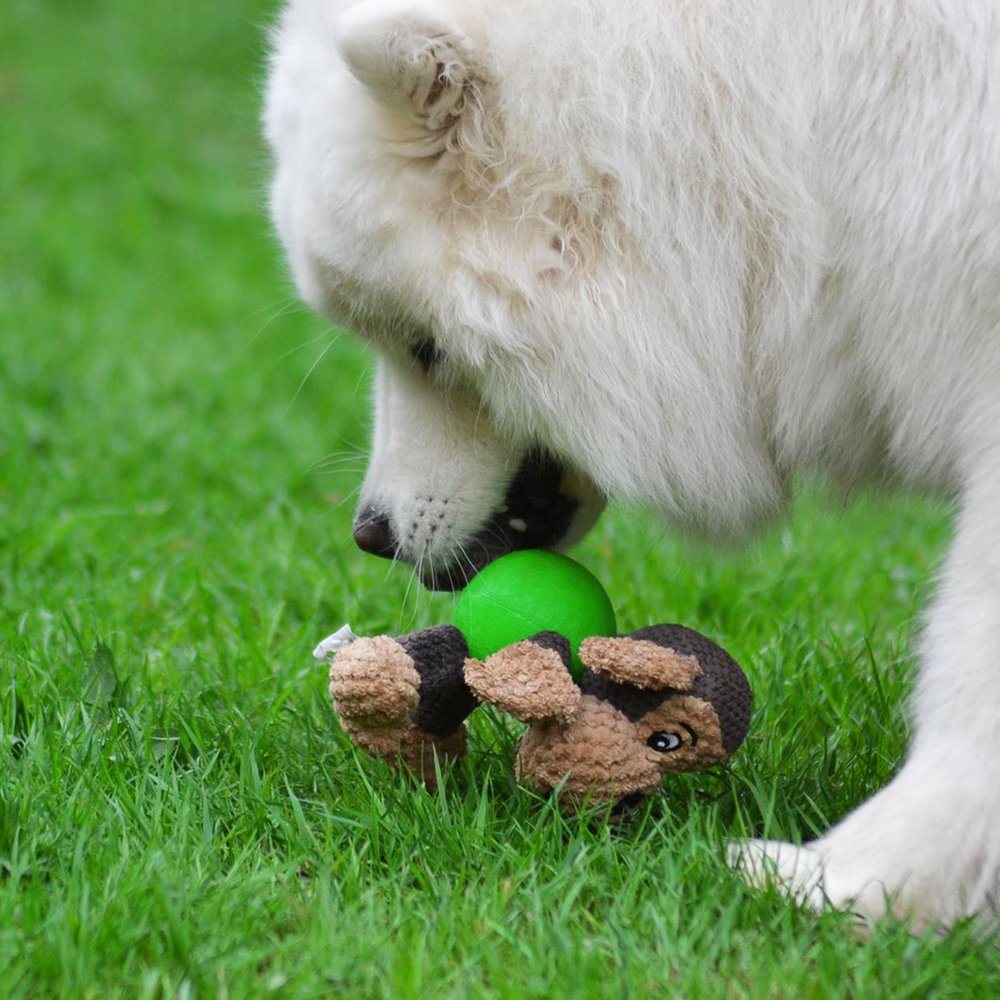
(593, 758)
(374, 682)
(375, 689)
(525, 680)
(640, 663)
(601, 756)
(681, 712)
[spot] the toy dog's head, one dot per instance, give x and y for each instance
(661, 700)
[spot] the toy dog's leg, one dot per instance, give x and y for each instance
(405, 699)
(529, 679)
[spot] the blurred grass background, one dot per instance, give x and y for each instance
(180, 443)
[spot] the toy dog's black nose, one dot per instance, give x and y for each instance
(373, 533)
(627, 804)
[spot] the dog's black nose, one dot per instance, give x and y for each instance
(373, 533)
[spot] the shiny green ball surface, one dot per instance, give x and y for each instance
(532, 591)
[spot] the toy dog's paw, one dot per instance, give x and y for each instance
(529, 679)
(424, 752)
(374, 685)
(377, 683)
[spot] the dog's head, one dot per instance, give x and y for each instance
(552, 285)
(372, 168)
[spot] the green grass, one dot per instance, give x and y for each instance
(179, 813)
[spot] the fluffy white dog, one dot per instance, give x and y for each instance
(673, 251)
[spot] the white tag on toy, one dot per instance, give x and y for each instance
(333, 644)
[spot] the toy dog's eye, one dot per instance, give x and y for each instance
(665, 742)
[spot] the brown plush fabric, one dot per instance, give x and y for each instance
(601, 756)
(375, 688)
(725, 687)
(663, 700)
(639, 662)
(412, 747)
(596, 758)
(679, 715)
(374, 683)
(439, 654)
(527, 680)
(722, 681)
(419, 748)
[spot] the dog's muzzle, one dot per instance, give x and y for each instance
(536, 513)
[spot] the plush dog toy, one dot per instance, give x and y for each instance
(661, 700)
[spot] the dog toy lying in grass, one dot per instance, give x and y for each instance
(660, 700)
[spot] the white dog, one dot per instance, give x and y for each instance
(673, 251)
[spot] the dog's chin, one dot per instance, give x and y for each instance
(542, 509)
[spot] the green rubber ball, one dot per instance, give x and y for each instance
(531, 591)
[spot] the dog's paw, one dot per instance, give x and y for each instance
(795, 871)
(820, 878)
(922, 851)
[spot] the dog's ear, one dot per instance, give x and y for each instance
(411, 59)
(529, 679)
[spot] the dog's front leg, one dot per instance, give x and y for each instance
(927, 847)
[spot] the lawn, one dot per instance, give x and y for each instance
(180, 443)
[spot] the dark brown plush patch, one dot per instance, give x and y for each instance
(439, 655)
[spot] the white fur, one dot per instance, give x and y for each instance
(692, 246)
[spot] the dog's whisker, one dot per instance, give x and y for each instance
(335, 465)
(341, 456)
(406, 595)
(464, 554)
(305, 378)
(290, 305)
(301, 347)
(329, 467)
(287, 304)
(350, 497)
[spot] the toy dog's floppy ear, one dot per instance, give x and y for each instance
(649, 659)
(411, 58)
(530, 679)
